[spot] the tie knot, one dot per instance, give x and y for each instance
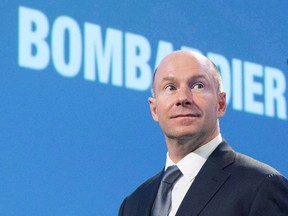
(171, 175)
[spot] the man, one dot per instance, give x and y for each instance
(210, 178)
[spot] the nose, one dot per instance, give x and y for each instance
(184, 97)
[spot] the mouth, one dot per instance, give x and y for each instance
(189, 115)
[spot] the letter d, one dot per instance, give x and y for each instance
(33, 29)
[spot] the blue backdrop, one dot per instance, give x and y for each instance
(76, 133)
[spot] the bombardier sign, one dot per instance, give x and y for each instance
(123, 59)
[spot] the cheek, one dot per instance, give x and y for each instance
(162, 110)
(158, 112)
(210, 106)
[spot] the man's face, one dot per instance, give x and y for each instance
(186, 102)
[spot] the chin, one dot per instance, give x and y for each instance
(184, 135)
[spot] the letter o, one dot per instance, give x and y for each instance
(61, 26)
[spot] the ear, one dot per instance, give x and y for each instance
(221, 104)
(153, 109)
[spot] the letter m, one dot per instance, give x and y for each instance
(104, 59)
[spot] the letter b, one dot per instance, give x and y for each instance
(33, 30)
(138, 71)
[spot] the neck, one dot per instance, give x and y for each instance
(178, 148)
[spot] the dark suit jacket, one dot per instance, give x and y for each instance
(229, 184)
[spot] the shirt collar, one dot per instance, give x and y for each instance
(191, 164)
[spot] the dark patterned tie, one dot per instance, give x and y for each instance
(162, 202)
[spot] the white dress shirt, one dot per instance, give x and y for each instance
(190, 165)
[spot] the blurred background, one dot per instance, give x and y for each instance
(76, 133)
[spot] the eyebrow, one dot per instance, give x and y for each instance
(196, 77)
(168, 79)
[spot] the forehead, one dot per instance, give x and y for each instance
(181, 65)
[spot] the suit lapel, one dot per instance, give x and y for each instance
(209, 180)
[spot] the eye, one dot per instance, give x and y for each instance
(170, 88)
(198, 86)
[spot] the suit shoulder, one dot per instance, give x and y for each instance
(146, 185)
(249, 165)
(239, 164)
(141, 198)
